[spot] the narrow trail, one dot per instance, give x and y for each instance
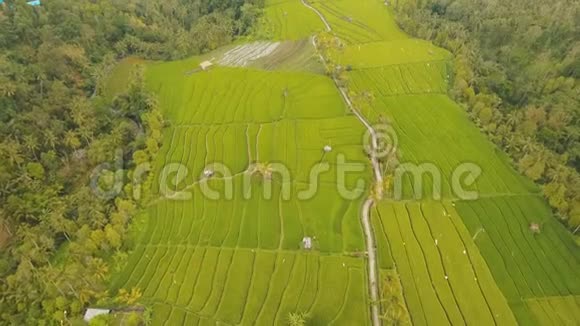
(328, 29)
(368, 204)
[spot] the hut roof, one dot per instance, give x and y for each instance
(307, 242)
(94, 312)
(206, 64)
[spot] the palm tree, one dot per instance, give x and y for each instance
(7, 89)
(12, 151)
(50, 139)
(297, 319)
(265, 169)
(529, 145)
(557, 174)
(513, 118)
(31, 143)
(147, 316)
(511, 143)
(71, 140)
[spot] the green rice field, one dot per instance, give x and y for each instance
(358, 22)
(237, 259)
(281, 17)
(445, 279)
(538, 273)
(434, 121)
(237, 116)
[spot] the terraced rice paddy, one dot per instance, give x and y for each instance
(238, 260)
(488, 246)
(409, 80)
(435, 122)
(389, 53)
(533, 270)
(206, 285)
(358, 22)
(292, 56)
(445, 279)
(555, 310)
(232, 261)
(290, 20)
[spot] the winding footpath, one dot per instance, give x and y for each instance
(365, 214)
(328, 29)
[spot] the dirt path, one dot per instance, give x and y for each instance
(368, 204)
(372, 260)
(372, 132)
(328, 29)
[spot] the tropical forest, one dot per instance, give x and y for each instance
(289, 162)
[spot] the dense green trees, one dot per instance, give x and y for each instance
(517, 66)
(55, 128)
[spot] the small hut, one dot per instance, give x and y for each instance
(307, 243)
(205, 65)
(94, 312)
(535, 228)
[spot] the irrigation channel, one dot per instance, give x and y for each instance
(365, 214)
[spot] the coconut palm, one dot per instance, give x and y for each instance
(12, 151)
(31, 143)
(297, 319)
(264, 169)
(50, 138)
(513, 118)
(529, 146)
(71, 139)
